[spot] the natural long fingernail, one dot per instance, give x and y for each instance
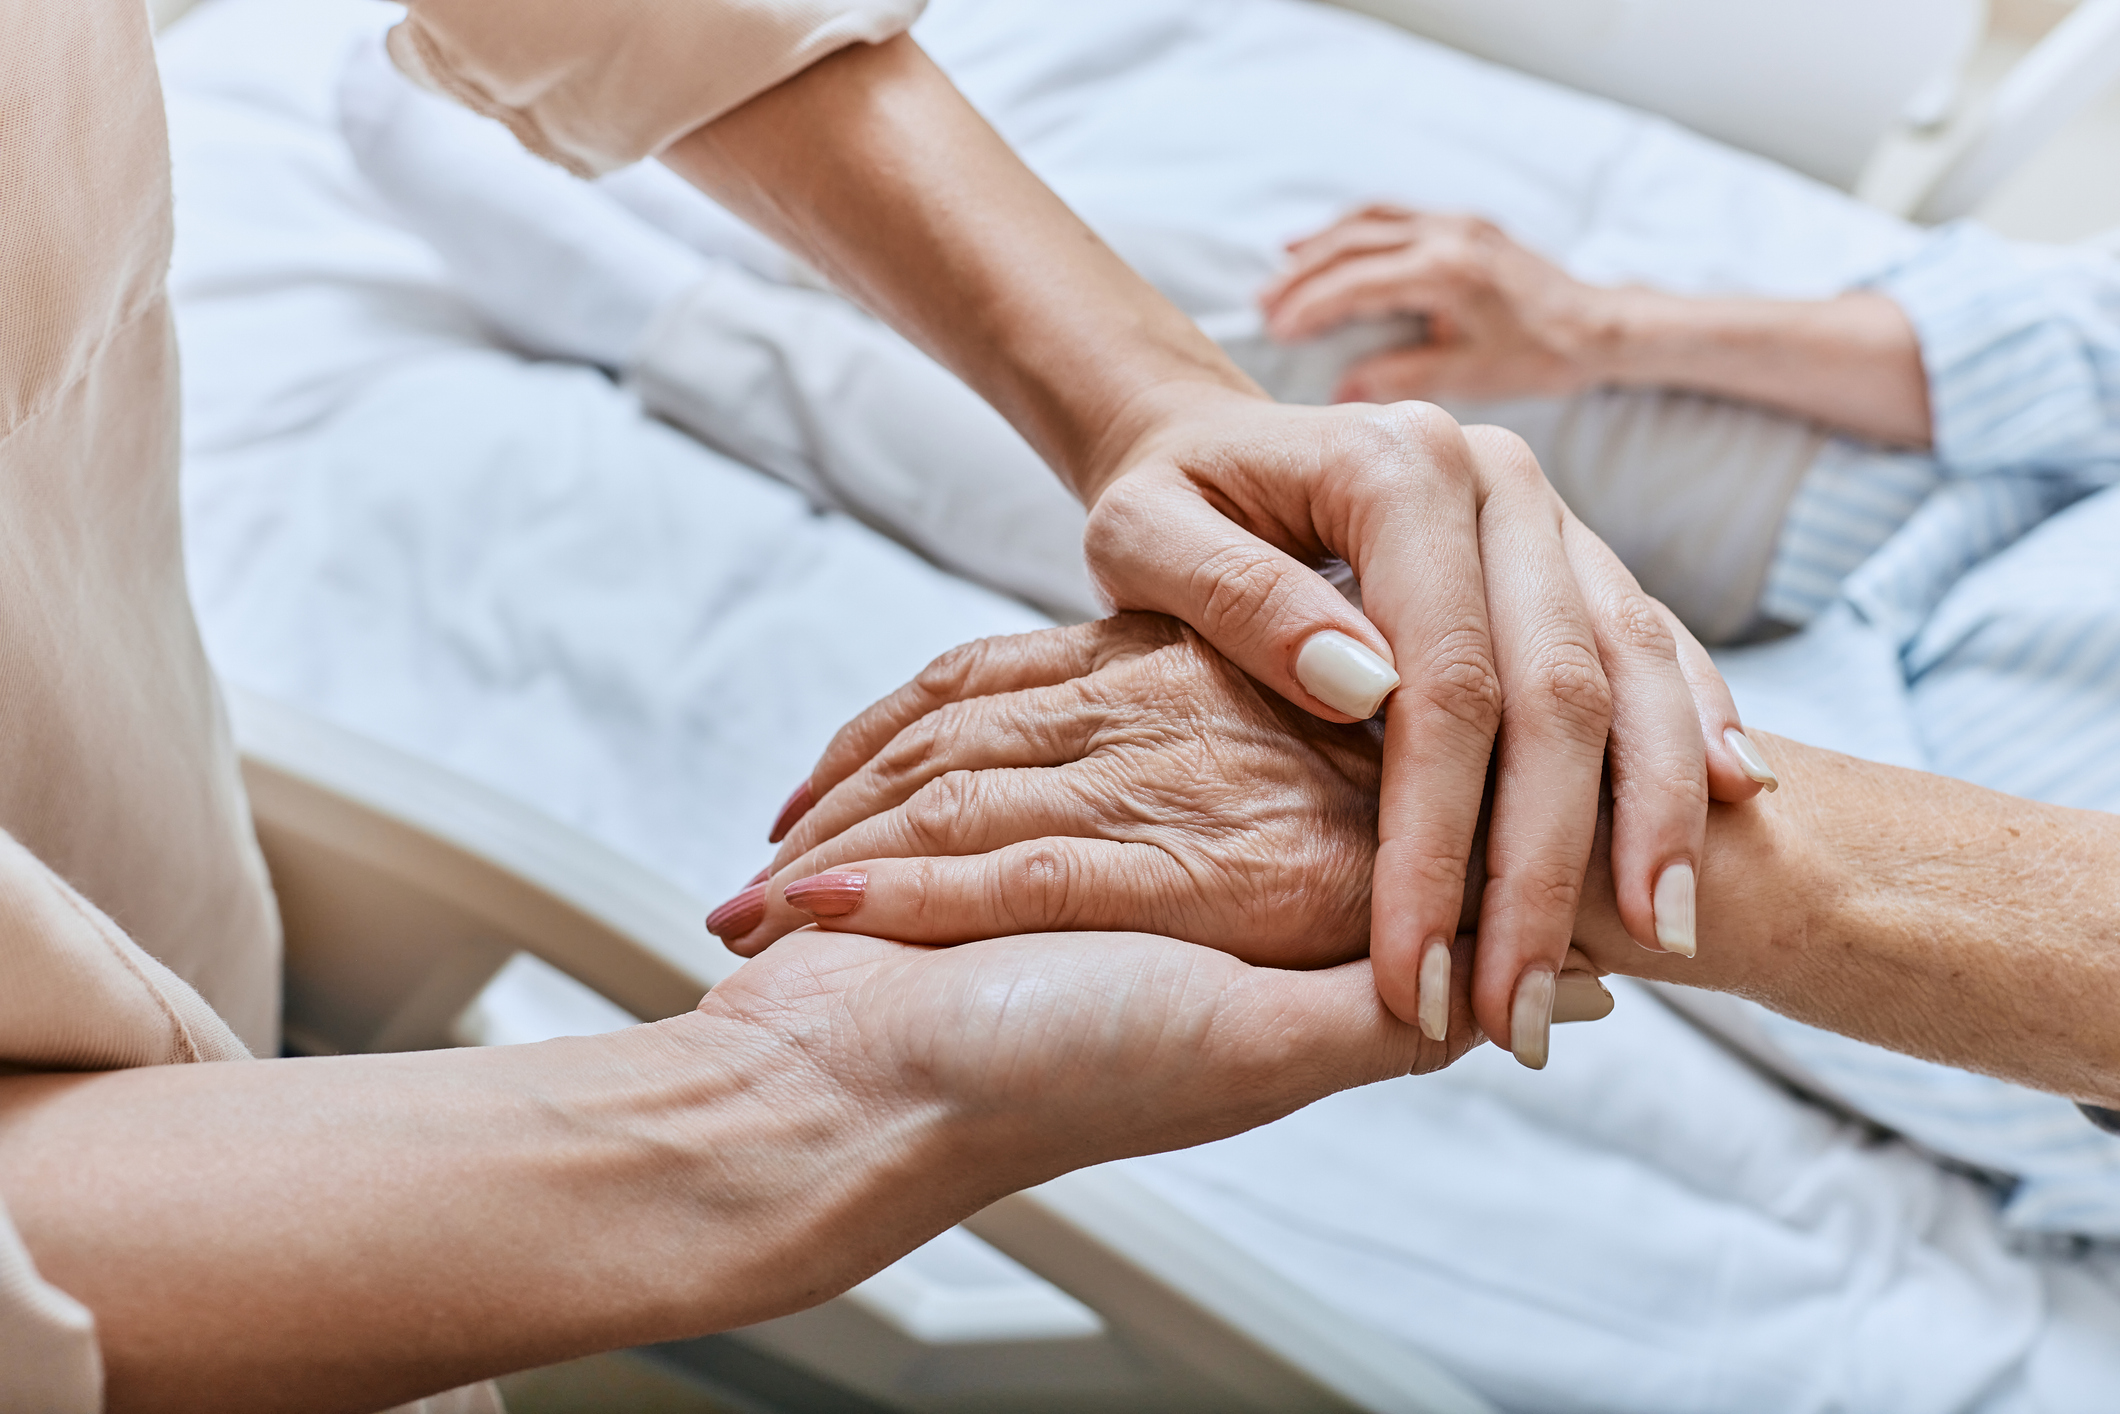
(1531, 1018)
(740, 914)
(1579, 996)
(1435, 990)
(1342, 673)
(798, 805)
(830, 895)
(1673, 905)
(1748, 757)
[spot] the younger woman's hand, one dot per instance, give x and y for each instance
(1501, 321)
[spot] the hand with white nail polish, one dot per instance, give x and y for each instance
(1499, 631)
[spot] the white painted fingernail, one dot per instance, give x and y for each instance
(1673, 905)
(1435, 991)
(1579, 996)
(1531, 1018)
(1748, 757)
(1342, 673)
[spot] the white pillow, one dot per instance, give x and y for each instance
(1812, 83)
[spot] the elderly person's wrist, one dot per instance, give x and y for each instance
(1763, 877)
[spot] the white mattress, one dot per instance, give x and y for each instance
(504, 566)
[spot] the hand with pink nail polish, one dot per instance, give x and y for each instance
(1114, 774)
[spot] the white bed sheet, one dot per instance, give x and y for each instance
(503, 566)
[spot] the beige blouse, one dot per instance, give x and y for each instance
(136, 923)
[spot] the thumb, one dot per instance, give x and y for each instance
(1156, 543)
(1340, 1030)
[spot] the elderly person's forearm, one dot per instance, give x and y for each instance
(1914, 911)
(1852, 363)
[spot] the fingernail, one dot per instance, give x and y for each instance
(740, 914)
(798, 805)
(1435, 990)
(1748, 757)
(1342, 673)
(1531, 1018)
(1579, 996)
(1673, 905)
(830, 895)
(760, 877)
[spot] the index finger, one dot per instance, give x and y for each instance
(985, 668)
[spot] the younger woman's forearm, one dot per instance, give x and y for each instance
(346, 1234)
(1851, 363)
(1914, 911)
(875, 171)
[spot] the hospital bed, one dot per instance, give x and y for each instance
(408, 890)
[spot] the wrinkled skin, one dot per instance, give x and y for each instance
(1501, 321)
(1113, 774)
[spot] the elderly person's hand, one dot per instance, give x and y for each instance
(1113, 774)
(1499, 321)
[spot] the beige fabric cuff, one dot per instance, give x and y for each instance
(595, 86)
(48, 1349)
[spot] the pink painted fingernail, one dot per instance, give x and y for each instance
(740, 914)
(830, 895)
(798, 805)
(760, 877)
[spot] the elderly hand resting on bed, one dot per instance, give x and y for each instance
(1114, 774)
(1501, 321)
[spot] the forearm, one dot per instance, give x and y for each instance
(1851, 363)
(874, 170)
(350, 1233)
(1917, 912)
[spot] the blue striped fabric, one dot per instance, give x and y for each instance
(2022, 349)
(2000, 591)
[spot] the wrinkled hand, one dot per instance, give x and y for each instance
(1113, 774)
(1116, 774)
(1500, 321)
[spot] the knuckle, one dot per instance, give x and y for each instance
(1037, 886)
(948, 677)
(1461, 681)
(1635, 626)
(1573, 687)
(1548, 889)
(1239, 590)
(914, 752)
(932, 814)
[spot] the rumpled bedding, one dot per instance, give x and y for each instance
(505, 565)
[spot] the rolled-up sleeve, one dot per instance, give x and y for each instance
(2022, 348)
(596, 84)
